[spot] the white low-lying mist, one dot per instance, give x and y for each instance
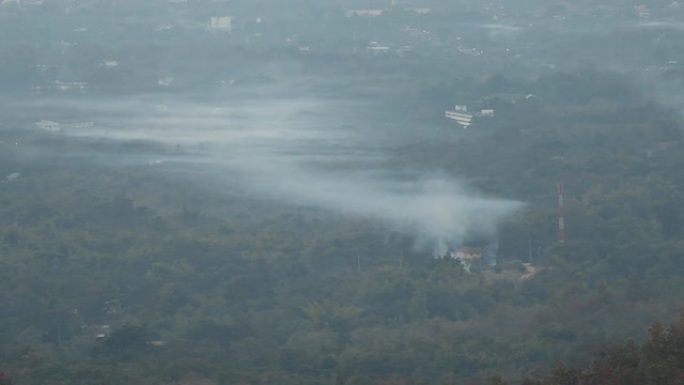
(299, 150)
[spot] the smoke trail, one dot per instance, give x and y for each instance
(289, 149)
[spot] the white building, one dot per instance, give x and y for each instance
(364, 12)
(109, 63)
(70, 86)
(10, 2)
(467, 256)
(221, 23)
(48, 125)
(377, 48)
(460, 115)
(420, 11)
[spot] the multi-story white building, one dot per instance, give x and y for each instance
(221, 23)
(461, 115)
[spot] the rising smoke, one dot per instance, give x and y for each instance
(306, 151)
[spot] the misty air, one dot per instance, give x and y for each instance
(364, 192)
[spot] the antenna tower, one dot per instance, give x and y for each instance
(561, 219)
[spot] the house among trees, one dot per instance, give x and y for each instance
(463, 117)
(460, 115)
(467, 255)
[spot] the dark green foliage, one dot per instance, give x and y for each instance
(658, 361)
(263, 293)
(5, 379)
(125, 342)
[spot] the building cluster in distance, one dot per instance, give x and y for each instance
(464, 117)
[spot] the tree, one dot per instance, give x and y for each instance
(126, 341)
(5, 379)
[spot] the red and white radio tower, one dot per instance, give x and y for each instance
(561, 221)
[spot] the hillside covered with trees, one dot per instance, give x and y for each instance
(123, 275)
(270, 192)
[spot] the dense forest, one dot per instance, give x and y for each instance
(269, 192)
(121, 275)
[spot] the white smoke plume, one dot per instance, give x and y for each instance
(298, 150)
